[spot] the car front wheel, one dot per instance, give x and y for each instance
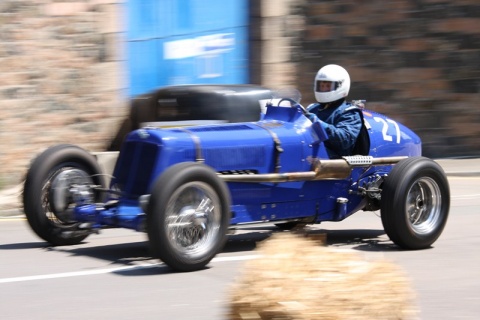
(188, 216)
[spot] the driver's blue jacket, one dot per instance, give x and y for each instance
(342, 122)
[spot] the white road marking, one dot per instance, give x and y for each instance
(466, 196)
(13, 218)
(111, 270)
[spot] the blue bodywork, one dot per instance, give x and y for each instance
(284, 141)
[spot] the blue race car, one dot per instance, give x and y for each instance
(186, 186)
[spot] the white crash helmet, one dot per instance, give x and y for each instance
(340, 83)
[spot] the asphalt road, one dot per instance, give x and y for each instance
(111, 275)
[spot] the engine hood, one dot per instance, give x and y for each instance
(251, 146)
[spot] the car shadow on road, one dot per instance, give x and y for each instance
(23, 246)
(356, 239)
(359, 239)
(137, 254)
(133, 254)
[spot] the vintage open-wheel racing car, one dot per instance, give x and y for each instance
(186, 186)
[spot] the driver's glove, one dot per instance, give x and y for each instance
(312, 117)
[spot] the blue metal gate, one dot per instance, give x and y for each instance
(186, 42)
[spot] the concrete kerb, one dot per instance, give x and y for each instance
(10, 199)
(460, 167)
(10, 202)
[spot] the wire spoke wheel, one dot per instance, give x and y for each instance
(57, 198)
(193, 219)
(188, 215)
(58, 178)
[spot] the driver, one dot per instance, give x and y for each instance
(341, 120)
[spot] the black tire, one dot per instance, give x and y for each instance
(181, 233)
(415, 203)
(47, 201)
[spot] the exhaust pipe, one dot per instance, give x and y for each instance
(321, 170)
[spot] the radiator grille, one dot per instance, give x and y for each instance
(135, 168)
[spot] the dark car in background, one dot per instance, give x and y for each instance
(187, 103)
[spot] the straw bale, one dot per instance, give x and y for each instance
(297, 278)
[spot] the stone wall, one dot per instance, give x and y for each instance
(59, 78)
(276, 28)
(416, 61)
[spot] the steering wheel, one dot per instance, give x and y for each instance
(294, 104)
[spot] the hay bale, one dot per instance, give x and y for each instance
(296, 278)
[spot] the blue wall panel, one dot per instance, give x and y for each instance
(143, 64)
(186, 41)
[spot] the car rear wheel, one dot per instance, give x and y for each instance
(47, 196)
(188, 216)
(415, 203)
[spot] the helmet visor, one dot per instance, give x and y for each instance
(324, 86)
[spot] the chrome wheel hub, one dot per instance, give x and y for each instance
(193, 219)
(424, 202)
(66, 187)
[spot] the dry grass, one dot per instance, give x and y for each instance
(296, 278)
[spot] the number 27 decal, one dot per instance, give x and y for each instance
(386, 124)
